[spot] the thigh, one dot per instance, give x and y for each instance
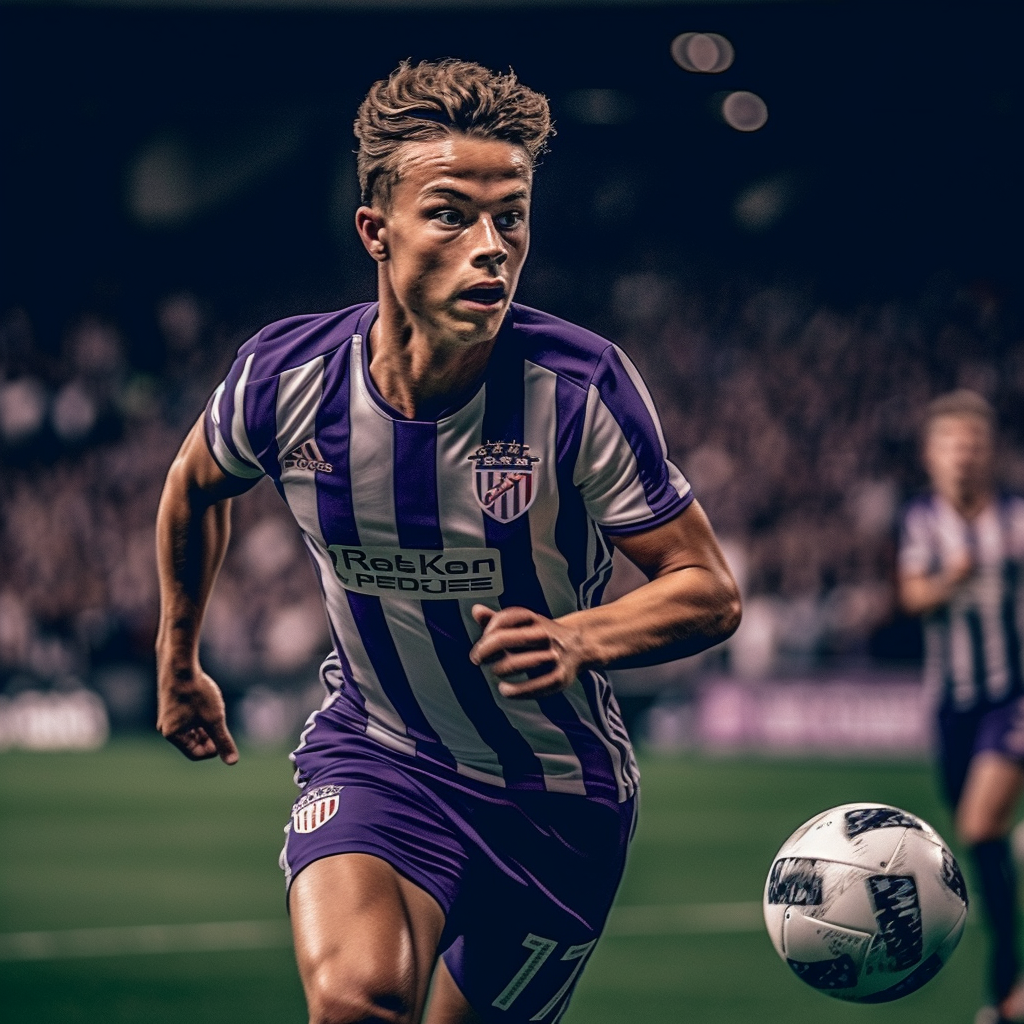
(379, 810)
(990, 794)
(530, 914)
(365, 937)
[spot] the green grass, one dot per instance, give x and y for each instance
(136, 835)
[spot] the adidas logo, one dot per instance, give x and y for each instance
(307, 456)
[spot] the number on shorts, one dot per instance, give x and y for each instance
(578, 953)
(541, 949)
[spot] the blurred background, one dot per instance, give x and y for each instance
(176, 176)
(801, 228)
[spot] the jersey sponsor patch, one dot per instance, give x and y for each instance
(315, 808)
(424, 574)
(503, 479)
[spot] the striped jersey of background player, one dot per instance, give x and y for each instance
(961, 562)
(460, 468)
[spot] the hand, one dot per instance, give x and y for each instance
(190, 713)
(517, 641)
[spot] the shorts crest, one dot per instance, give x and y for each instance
(503, 479)
(315, 808)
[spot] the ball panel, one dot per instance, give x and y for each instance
(899, 941)
(811, 940)
(911, 983)
(827, 838)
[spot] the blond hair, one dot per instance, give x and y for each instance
(432, 99)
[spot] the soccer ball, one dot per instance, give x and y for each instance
(865, 902)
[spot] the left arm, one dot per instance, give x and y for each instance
(689, 604)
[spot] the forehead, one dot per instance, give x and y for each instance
(484, 168)
(956, 426)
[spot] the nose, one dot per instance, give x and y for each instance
(489, 246)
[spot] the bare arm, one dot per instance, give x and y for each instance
(192, 531)
(690, 604)
(920, 594)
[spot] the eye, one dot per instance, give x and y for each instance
(448, 217)
(510, 219)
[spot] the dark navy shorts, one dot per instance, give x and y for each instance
(964, 734)
(525, 879)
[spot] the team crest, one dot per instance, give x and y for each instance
(315, 808)
(503, 479)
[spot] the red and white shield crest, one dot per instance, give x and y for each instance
(315, 808)
(503, 479)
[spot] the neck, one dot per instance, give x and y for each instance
(970, 504)
(416, 371)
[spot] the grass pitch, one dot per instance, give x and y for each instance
(136, 835)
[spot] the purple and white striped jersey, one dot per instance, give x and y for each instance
(506, 500)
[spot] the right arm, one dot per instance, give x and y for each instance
(921, 594)
(192, 531)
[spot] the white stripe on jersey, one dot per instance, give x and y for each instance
(298, 398)
(676, 479)
(299, 393)
(221, 450)
(540, 400)
(238, 432)
(960, 661)
(607, 466)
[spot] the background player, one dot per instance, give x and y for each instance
(458, 466)
(960, 566)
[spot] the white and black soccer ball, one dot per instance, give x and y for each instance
(865, 902)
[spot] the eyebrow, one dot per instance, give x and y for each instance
(454, 193)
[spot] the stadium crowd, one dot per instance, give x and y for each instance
(794, 418)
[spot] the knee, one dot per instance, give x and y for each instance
(337, 994)
(974, 828)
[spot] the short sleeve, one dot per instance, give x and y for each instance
(917, 544)
(226, 426)
(623, 472)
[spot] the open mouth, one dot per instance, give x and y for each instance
(484, 296)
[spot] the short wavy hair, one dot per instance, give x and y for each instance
(426, 101)
(961, 402)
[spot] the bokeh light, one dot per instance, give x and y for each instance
(703, 53)
(745, 111)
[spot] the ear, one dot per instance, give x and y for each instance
(370, 226)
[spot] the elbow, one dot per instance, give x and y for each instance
(730, 613)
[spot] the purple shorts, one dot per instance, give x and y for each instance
(525, 879)
(964, 734)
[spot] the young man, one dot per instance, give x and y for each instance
(459, 468)
(960, 567)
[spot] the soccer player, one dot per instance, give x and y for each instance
(460, 468)
(961, 559)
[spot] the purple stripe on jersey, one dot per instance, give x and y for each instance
(503, 420)
(624, 402)
(334, 490)
(415, 481)
(261, 424)
(418, 520)
(572, 525)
